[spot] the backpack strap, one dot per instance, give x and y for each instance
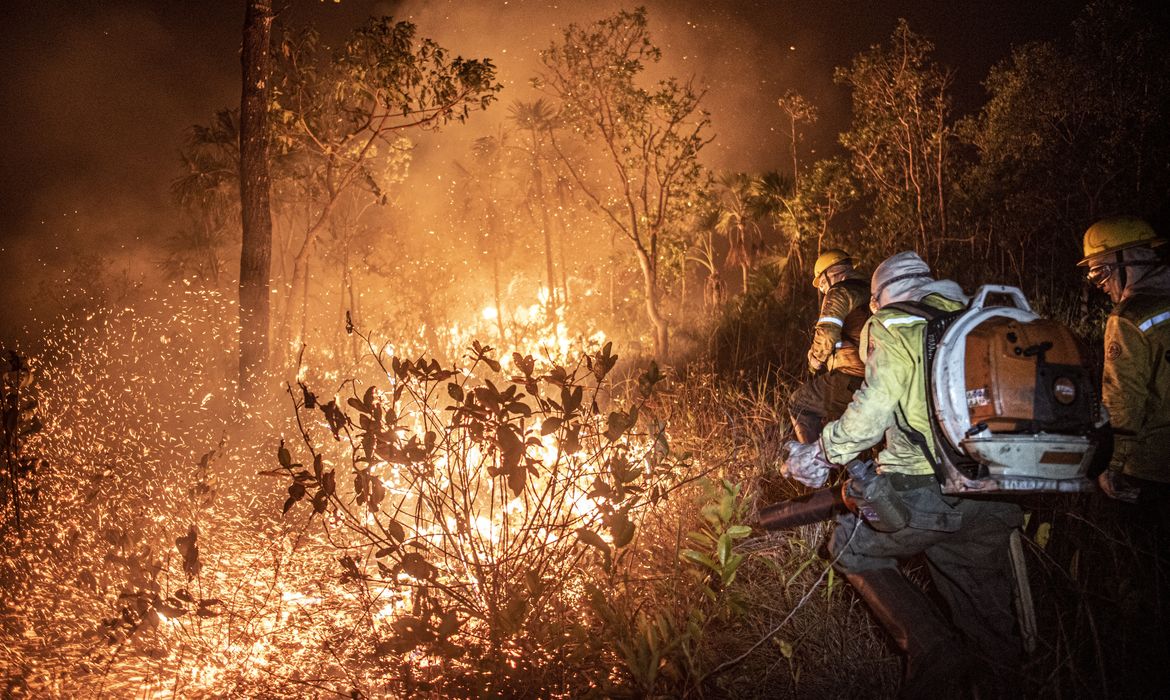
(930, 313)
(917, 308)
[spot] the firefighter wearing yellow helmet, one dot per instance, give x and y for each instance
(1120, 255)
(1121, 261)
(965, 540)
(835, 345)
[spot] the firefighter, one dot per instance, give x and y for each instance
(1135, 387)
(835, 346)
(965, 541)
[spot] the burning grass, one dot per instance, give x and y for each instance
(546, 524)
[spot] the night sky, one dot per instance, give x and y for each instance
(97, 94)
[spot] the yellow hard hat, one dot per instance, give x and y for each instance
(827, 259)
(1115, 234)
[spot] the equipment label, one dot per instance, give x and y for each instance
(977, 397)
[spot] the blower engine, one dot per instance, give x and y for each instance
(1013, 400)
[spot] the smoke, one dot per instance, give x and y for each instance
(96, 100)
(98, 95)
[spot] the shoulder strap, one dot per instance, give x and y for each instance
(919, 440)
(917, 308)
(930, 313)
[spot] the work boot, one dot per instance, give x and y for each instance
(938, 664)
(807, 427)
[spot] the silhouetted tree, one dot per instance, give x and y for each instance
(346, 111)
(256, 250)
(901, 139)
(646, 166)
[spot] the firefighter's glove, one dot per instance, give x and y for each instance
(815, 364)
(1119, 486)
(806, 463)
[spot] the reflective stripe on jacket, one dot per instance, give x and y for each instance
(1135, 385)
(894, 392)
(837, 336)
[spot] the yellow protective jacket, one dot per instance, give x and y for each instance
(894, 393)
(837, 336)
(1135, 385)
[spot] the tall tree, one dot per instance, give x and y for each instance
(345, 109)
(798, 111)
(256, 213)
(536, 119)
(901, 139)
(645, 166)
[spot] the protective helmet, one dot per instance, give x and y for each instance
(1115, 234)
(827, 259)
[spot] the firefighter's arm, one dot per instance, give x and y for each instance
(888, 369)
(827, 332)
(1125, 385)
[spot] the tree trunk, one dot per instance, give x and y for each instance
(653, 312)
(256, 251)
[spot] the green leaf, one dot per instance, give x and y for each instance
(723, 548)
(699, 558)
(739, 531)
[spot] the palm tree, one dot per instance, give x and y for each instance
(773, 196)
(737, 220)
(208, 192)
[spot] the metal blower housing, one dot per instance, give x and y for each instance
(1014, 404)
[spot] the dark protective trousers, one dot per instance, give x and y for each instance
(820, 400)
(965, 542)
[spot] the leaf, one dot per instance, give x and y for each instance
(415, 565)
(1043, 532)
(550, 425)
(309, 397)
(601, 363)
(448, 624)
(396, 532)
(455, 391)
(622, 529)
(282, 454)
(739, 531)
(617, 422)
(190, 551)
(593, 539)
(730, 568)
(723, 548)
(699, 558)
(295, 493)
